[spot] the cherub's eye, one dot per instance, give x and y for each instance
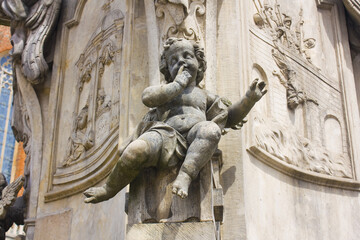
(173, 61)
(188, 55)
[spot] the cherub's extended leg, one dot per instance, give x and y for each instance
(141, 153)
(203, 139)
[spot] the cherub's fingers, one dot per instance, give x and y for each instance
(181, 69)
(261, 85)
(253, 84)
(89, 200)
(264, 92)
(187, 74)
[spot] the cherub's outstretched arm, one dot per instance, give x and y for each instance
(157, 95)
(238, 111)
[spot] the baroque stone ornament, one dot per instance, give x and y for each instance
(92, 64)
(91, 139)
(280, 26)
(288, 78)
(307, 136)
(286, 144)
(353, 7)
(82, 138)
(180, 18)
(284, 35)
(32, 25)
(183, 127)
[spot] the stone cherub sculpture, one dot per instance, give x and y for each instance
(11, 207)
(185, 123)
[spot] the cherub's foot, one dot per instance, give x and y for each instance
(97, 194)
(181, 185)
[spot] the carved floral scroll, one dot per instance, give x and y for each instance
(180, 18)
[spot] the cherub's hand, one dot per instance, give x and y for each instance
(256, 90)
(183, 77)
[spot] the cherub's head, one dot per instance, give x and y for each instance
(181, 52)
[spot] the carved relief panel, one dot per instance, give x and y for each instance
(88, 99)
(306, 129)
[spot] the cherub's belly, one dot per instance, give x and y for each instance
(184, 122)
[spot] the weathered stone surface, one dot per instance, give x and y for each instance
(56, 226)
(296, 203)
(290, 173)
(176, 231)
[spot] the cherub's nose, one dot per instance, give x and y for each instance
(181, 61)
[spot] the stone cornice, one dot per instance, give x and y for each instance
(353, 7)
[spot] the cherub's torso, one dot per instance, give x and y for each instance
(185, 110)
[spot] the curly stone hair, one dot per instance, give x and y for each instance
(199, 53)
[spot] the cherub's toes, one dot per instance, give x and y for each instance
(89, 192)
(165, 220)
(175, 190)
(89, 199)
(181, 193)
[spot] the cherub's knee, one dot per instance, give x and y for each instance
(210, 131)
(135, 154)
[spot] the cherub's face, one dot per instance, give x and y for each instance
(182, 54)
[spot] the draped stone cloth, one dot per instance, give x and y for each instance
(175, 145)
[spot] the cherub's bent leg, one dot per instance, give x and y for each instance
(141, 153)
(203, 139)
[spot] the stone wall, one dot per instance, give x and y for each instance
(291, 172)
